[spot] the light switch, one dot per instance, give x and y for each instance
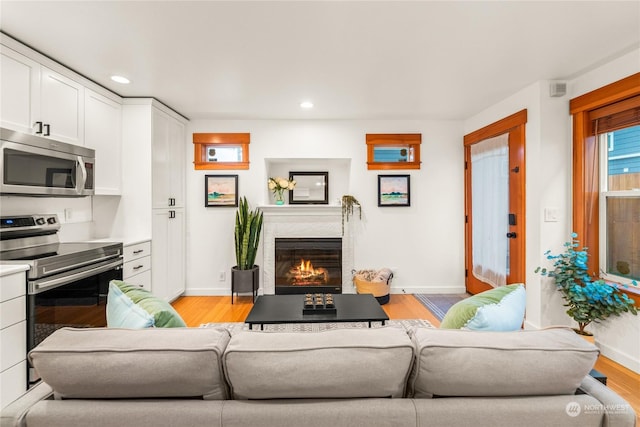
(551, 214)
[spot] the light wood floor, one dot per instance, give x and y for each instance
(198, 310)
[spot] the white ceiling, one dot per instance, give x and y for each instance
(354, 60)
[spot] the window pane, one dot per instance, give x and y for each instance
(221, 153)
(393, 154)
(623, 159)
(623, 236)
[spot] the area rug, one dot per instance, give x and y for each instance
(406, 324)
(439, 304)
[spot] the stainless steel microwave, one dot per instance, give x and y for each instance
(35, 166)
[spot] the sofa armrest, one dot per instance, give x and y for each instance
(14, 414)
(615, 410)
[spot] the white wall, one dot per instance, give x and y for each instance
(77, 225)
(548, 158)
(423, 243)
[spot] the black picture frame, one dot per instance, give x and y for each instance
(220, 191)
(312, 188)
(394, 190)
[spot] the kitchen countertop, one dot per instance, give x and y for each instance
(6, 270)
(126, 241)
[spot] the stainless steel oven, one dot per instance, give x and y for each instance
(67, 283)
(36, 166)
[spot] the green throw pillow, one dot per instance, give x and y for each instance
(498, 309)
(164, 315)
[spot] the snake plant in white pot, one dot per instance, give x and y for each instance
(245, 275)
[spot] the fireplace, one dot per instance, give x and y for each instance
(308, 265)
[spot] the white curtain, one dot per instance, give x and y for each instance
(490, 209)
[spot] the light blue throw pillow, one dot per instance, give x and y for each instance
(506, 315)
(498, 309)
(122, 312)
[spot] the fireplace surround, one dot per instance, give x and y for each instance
(304, 221)
(308, 265)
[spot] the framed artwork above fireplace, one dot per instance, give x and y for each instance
(312, 188)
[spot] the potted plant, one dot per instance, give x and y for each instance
(348, 204)
(245, 275)
(589, 300)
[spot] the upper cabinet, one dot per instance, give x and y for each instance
(168, 158)
(38, 100)
(20, 88)
(61, 108)
(103, 133)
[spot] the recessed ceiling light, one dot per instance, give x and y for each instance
(120, 79)
(306, 104)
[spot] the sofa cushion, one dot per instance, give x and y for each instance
(521, 363)
(127, 363)
(498, 309)
(164, 316)
(343, 363)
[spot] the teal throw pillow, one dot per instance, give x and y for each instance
(498, 309)
(163, 314)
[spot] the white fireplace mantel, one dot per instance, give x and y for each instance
(289, 210)
(282, 221)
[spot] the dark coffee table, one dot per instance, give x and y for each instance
(270, 309)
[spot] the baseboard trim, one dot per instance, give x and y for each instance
(429, 290)
(203, 292)
(208, 292)
(619, 357)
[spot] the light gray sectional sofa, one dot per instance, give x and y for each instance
(344, 377)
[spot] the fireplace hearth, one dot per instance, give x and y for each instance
(308, 265)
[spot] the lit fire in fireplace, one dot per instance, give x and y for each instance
(304, 274)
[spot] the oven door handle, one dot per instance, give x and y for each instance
(38, 286)
(80, 264)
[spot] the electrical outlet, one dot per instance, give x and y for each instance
(68, 214)
(222, 276)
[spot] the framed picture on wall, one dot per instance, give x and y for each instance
(394, 190)
(220, 191)
(312, 188)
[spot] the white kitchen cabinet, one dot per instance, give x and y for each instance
(168, 248)
(103, 133)
(13, 333)
(38, 100)
(167, 161)
(153, 152)
(137, 264)
(61, 108)
(20, 88)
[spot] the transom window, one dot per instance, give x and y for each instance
(221, 150)
(393, 150)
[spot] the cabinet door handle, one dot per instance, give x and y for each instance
(47, 129)
(172, 214)
(39, 130)
(138, 267)
(138, 251)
